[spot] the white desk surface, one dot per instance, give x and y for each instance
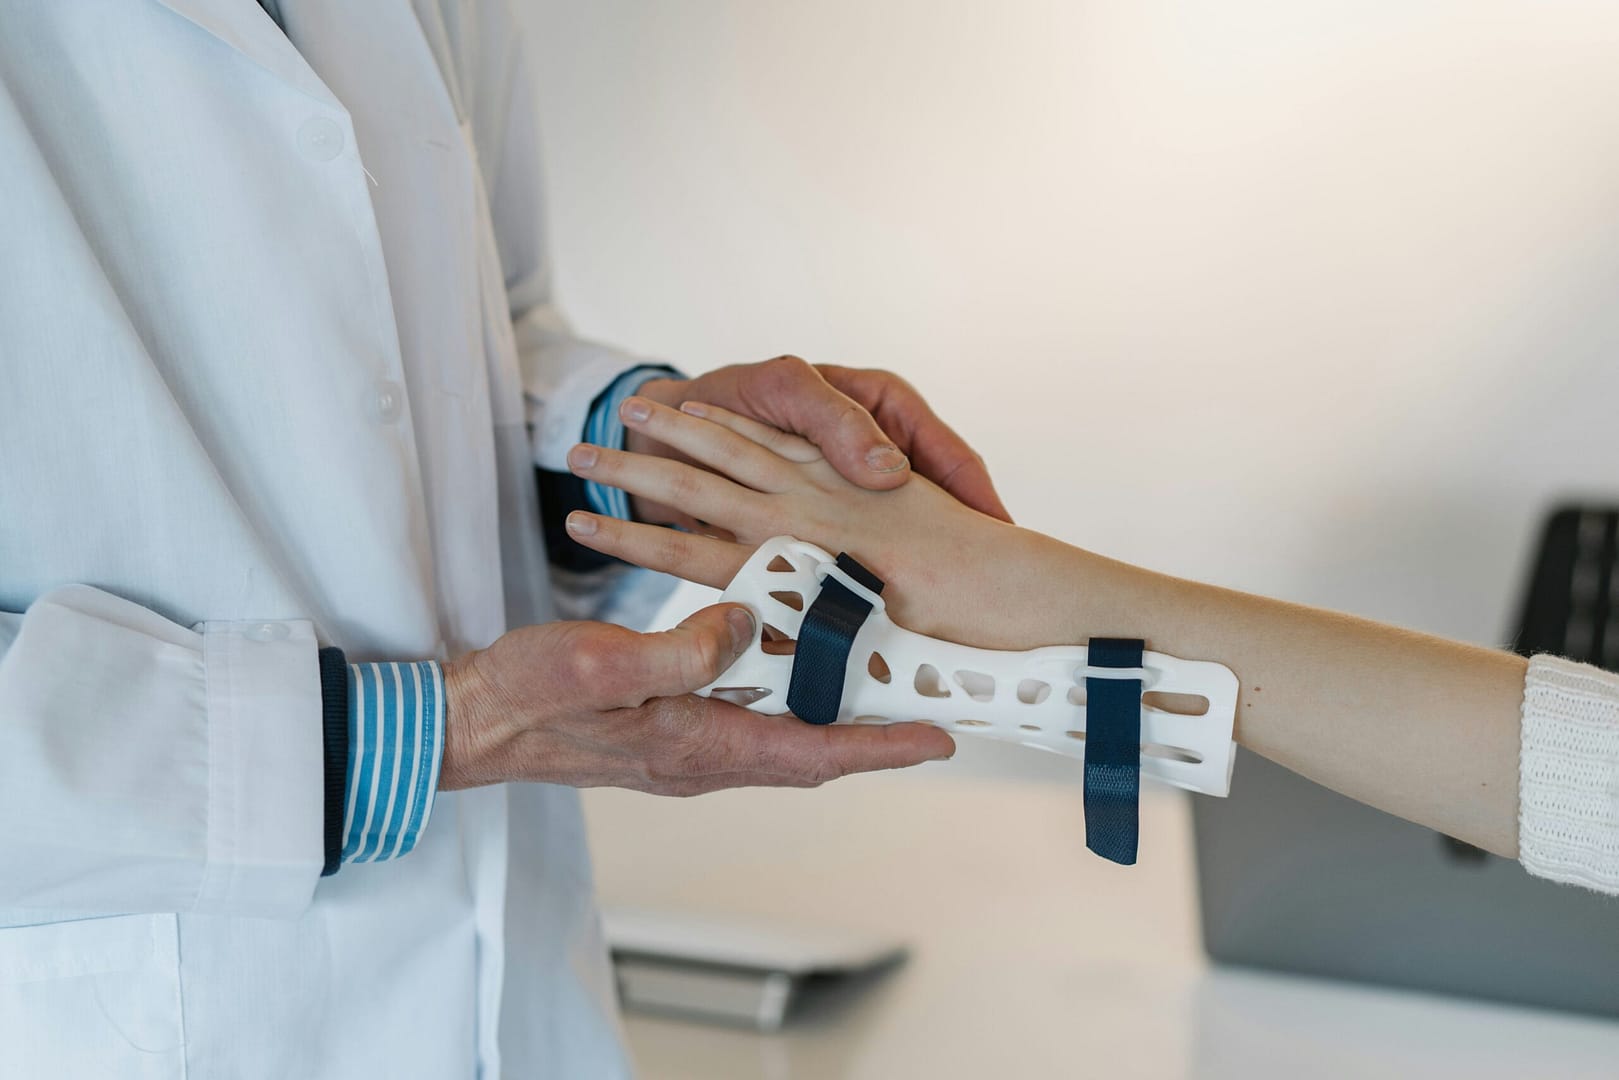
(1030, 957)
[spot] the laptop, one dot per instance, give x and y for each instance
(1293, 877)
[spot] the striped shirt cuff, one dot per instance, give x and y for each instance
(396, 740)
(604, 428)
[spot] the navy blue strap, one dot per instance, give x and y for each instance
(1113, 752)
(821, 656)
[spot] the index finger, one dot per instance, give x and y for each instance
(705, 560)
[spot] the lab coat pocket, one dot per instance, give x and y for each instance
(91, 997)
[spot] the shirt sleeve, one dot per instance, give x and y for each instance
(395, 748)
(1568, 774)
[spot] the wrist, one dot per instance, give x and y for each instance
(472, 714)
(1045, 592)
(972, 579)
(1024, 590)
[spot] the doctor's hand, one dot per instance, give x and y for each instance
(594, 705)
(872, 426)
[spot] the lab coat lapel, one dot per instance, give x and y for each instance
(244, 26)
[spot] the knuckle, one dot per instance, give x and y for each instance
(705, 657)
(824, 771)
(661, 778)
(726, 455)
(673, 548)
(789, 362)
(596, 658)
(586, 667)
(684, 487)
(649, 773)
(833, 762)
(776, 522)
(894, 383)
(691, 755)
(787, 371)
(804, 766)
(970, 462)
(852, 414)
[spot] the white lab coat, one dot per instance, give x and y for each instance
(225, 438)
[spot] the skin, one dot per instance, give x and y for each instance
(871, 425)
(1415, 725)
(611, 707)
(589, 704)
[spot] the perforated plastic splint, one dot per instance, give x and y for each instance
(1034, 698)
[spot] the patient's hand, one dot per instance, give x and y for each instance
(953, 572)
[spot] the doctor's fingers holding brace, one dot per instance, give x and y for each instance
(591, 704)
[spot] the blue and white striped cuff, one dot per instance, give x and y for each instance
(396, 740)
(604, 428)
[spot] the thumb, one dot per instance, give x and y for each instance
(792, 395)
(696, 652)
(937, 452)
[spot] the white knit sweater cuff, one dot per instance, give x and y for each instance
(1568, 774)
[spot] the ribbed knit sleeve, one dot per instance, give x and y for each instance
(1568, 774)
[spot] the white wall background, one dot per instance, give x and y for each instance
(1315, 299)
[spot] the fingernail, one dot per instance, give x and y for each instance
(693, 408)
(885, 459)
(740, 620)
(636, 411)
(582, 456)
(581, 523)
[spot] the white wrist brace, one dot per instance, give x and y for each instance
(1034, 698)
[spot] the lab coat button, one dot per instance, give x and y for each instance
(387, 402)
(320, 138)
(267, 631)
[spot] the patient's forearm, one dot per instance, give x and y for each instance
(1415, 725)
